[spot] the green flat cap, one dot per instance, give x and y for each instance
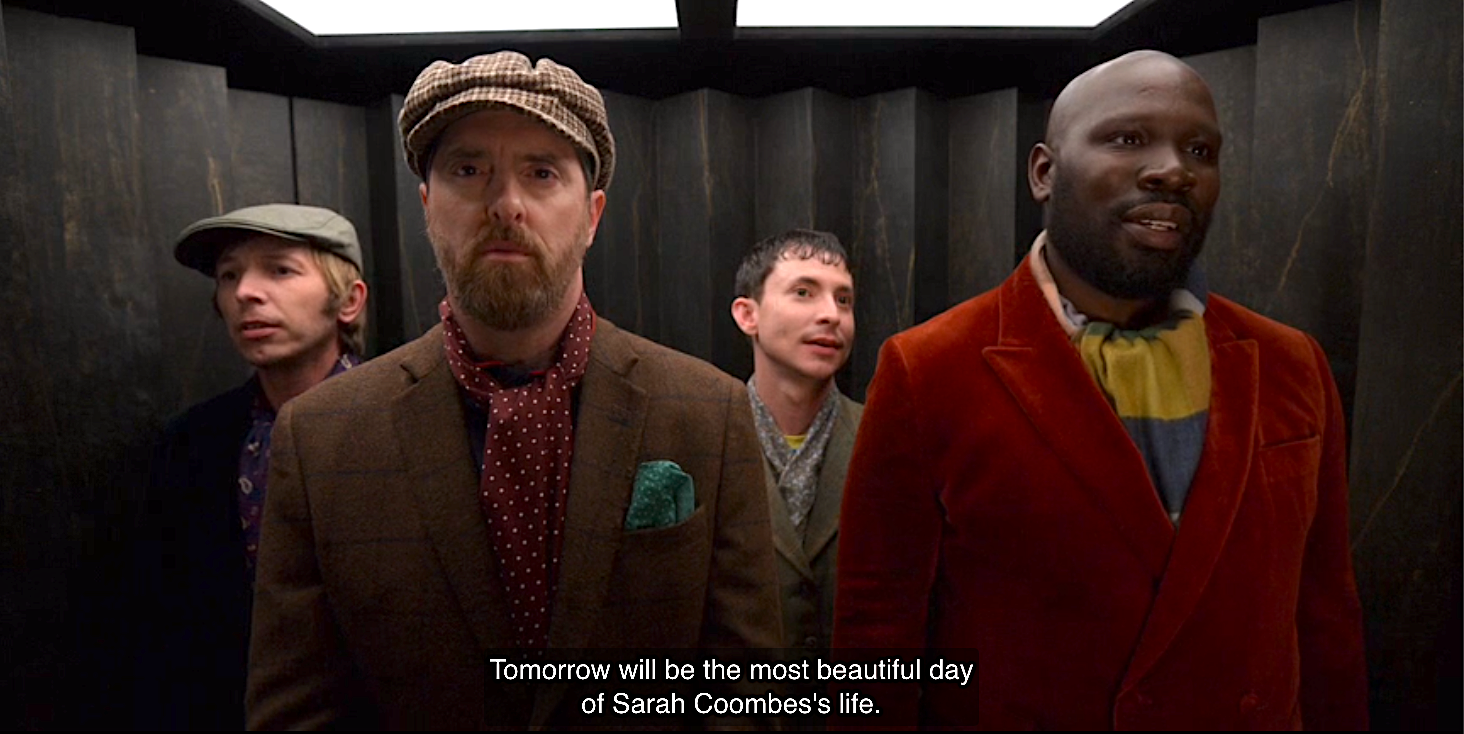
(200, 243)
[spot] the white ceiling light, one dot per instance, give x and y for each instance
(926, 13)
(361, 17)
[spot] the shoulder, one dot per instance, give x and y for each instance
(218, 413)
(375, 381)
(657, 369)
(1281, 347)
(850, 409)
(956, 333)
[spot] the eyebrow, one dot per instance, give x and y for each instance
(807, 280)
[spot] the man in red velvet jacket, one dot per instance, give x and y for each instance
(1126, 497)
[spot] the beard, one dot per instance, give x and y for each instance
(1089, 246)
(507, 296)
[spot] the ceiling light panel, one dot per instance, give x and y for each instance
(379, 17)
(926, 13)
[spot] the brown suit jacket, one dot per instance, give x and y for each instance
(807, 563)
(378, 602)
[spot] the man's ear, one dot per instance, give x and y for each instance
(1039, 172)
(744, 312)
(597, 208)
(422, 190)
(353, 304)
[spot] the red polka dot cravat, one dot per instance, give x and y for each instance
(526, 455)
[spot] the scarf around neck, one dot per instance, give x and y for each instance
(1156, 378)
(795, 470)
(527, 449)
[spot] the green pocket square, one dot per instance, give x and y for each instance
(663, 496)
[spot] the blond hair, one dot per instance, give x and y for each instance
(340, 274)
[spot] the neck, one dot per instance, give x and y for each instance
(532, 347)
(793, 403)
(1097, 305)
(282, 382)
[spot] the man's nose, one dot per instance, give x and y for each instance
(1167, 169)
(250, 286)
(505, 200)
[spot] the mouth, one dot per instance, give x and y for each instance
(825, 344)
(1158, 226)
(255, 329)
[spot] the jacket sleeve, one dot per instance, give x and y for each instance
(742, 593)
(300, 676)
(1329, 615)
(889, 538)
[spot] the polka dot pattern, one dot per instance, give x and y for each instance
(526, 457)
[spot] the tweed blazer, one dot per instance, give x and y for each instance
(807, 562)
(997, 509)
(377, 599)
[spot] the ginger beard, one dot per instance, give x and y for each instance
(507, 296)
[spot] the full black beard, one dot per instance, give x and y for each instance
(1087, 246)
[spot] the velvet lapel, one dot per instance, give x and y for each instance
(823, 519)
(607, 440)
(1215, 495)
(432, 434)
(785, 536)
(1044, 374)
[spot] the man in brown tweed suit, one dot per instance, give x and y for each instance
(525, 481)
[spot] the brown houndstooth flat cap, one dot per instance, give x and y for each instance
(547, 91)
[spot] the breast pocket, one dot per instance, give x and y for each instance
(1290, 472)
(660, 576)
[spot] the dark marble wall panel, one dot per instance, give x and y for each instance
(931, 276)
(33, 514)
(186, 176)
(93, 301)
(331, 171)
(833, 164)
(1032, 109)
(983, 147)
(1231, 75)
(883, 244)
(1310, 177)
(1407, 436)
(620, 268)
(263, 159)
(705, 193)
(784, 190)
(408, 286)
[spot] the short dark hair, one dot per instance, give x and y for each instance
(586, 161)
(795, 243)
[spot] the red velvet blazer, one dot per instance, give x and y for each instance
(995, 504)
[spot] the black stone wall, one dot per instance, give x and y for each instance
(1340, 213)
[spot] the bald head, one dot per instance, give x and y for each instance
(1128, 175)
(1135, 73)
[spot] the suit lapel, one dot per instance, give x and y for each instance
(1045, 375)
(1215, 495)
(785, 536)
(823, 519)
(607, 439)
(434, 443)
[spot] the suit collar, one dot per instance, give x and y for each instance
(1042, 371)
(823, 519)
(608, 428)
(431, 432)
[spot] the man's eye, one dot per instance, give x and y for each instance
(1202, 151)
(801, 292)
(466, 170)
(284, 270)
(846, 300)
(1128, 139)
(543, 174)
(227, 276)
